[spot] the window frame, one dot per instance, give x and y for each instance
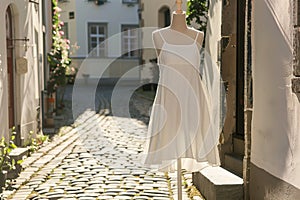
(130, 1)
(97, 36)
(65, 29)
(131, 26)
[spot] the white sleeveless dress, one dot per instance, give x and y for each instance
(179, 121)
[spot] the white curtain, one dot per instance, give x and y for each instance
(213, 30)
(276, 110)
(211, 76)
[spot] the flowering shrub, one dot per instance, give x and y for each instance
(58, 57)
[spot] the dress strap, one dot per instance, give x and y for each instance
(162, 36)
(196, 37)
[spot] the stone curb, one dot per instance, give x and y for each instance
(46, 155)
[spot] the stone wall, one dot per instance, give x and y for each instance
(268, 186)
(228, 72)
(296, 80)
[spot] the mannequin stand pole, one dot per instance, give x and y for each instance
(179, 180)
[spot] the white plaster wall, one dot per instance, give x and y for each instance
(276, 115)
(3, 74)
(213, 30)
(27, 86)
(114, 13)
(67, 7)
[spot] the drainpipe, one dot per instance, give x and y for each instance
(247, 99)
(140, 38)
(46, 19)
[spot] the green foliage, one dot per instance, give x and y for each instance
(58, 57)
(197, 10)
(6, 163)
(37, 142)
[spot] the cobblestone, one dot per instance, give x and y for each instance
(96, 159)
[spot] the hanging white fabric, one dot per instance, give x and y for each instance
(206, 149)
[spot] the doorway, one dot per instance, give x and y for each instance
(164, 17)
(10, 67)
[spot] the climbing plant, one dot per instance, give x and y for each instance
(58, 57)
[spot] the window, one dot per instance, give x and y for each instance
(97, 33)
(164, 17)
(99, 2)
(71, 15)
(65, 29)
(130, 1)
(130, 41)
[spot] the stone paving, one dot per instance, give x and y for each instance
(97, 158)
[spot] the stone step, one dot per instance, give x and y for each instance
(234, 163)
(238, 145)
(17, 154)
(216, 183)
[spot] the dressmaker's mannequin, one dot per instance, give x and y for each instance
(177, 33)
(183, 124)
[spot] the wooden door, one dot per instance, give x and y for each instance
(10, 68)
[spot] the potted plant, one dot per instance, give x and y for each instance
(6, 163)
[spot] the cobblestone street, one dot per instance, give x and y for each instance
(98, 158)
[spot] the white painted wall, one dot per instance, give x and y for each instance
(67, 7)
(115, 14)
(276, 110)
(27, 21)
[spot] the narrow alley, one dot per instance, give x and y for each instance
(150, 99)
(98, 158)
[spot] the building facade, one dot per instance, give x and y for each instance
(21, 68)
(259, 63)
(106, 43)
(275, 135)
(154, 14)
(256, 44)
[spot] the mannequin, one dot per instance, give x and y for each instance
(183, 127)
(178, 24)
(178, 33)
